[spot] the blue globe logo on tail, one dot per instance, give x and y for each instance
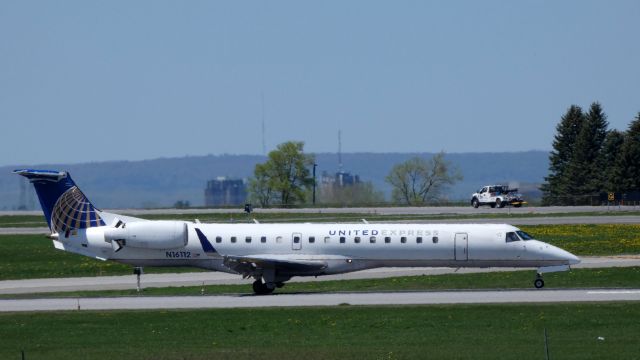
(74, 211)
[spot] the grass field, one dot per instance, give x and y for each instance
(589, 239)
(575, 331)
(39, 221)
(33, 256)
(578, 278)
(22, 221)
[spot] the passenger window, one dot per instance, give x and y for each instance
(511, 236)
(218, 239)
(419, 240)
(372, 239)
(435, 239)
(342, 239)
(403, 239)
(327, 239)
(312, 239)
(387, 239)
(296, 239)
(263, 239)
(247, 239)
(356, 239)
(279, 239)
(233, 239)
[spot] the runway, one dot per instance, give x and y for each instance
(333, 299)
(218, 278)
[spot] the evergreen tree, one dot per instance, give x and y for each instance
(555, 187)
(608, 162)
(628, 166)
(583, 175)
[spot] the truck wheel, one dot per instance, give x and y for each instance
(475, 203)
(499, 203)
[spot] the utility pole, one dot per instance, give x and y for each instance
(264, 142)
(314, 183)
(340, 150)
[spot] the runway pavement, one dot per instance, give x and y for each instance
(218, 278)
(333, 299)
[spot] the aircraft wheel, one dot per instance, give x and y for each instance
(260, 288)
(538, 283)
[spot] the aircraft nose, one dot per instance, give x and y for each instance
(564, 255)
(573, 260)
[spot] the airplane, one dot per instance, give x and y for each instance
(272, 254)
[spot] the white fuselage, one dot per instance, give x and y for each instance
(342, 247)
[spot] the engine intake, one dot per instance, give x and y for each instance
(150, 234)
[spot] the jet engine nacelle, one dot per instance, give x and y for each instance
(150, 234)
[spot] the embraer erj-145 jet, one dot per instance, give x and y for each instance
(274, 253)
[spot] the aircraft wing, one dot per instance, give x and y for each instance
(247, 265)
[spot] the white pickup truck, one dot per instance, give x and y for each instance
(496, 195)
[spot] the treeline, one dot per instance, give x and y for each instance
(589, 159)
(285, 180)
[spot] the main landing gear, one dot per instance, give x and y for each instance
(538, 282)
(260, 288)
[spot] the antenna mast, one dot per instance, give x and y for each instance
(264, 143)
(340, 150)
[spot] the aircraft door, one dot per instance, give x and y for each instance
(296, 241)
(461, 247)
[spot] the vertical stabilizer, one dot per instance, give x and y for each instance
(65, 207)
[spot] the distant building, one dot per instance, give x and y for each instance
(339, 179)
(331, 183)
(225, 192)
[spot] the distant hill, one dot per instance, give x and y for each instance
(162, 182)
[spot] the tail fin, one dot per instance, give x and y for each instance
(64, 205)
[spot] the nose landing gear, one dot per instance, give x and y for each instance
(538, 282)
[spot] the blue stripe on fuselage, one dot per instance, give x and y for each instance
(206, 245)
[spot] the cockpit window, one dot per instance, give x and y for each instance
(511, 236)
(524, 236)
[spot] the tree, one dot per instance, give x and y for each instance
(259, 188)
(556, 185)
(583, 175)
(284, 177)
(628, 166)
(418, 181)
(608, 162)
(360, 193)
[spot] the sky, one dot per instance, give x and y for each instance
(85, 81)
